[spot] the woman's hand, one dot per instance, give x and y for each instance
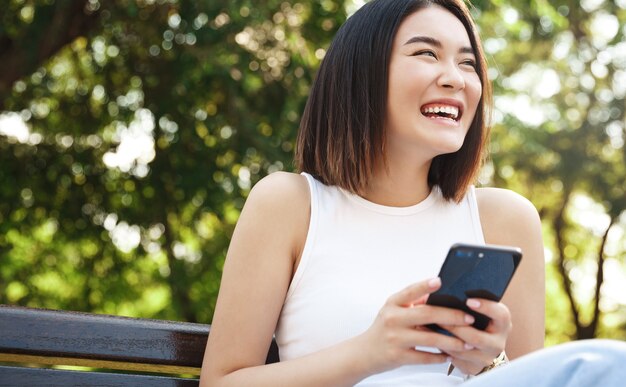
(481, 347)
(399, 328)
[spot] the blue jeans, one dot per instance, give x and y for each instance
(576, 364)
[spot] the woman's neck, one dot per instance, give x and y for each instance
(399, 184)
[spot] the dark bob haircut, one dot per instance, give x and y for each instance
(342, 132)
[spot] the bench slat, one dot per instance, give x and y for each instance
(101, 364)
(83, 335)
(29, 377)
(54, 333)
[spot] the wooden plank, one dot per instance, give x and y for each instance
(54, 333)
(77, 335)
(29, 377)
(29, 360)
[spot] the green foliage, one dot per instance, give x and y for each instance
(149, 121)
(559, 139)
(205, 97)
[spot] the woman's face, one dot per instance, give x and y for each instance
(433, 89)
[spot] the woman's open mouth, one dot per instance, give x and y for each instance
(452, 113)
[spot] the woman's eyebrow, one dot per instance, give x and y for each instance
(424, 39)
(436, 43)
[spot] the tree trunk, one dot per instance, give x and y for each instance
(53, 27)
(589, 331)
(559, 230)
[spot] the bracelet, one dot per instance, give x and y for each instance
(500, 360)
(497, 362)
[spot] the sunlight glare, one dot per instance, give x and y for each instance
(136, 145)
(353, 6)
(614, 286)
(589, 214)
(521, 107)
(125, 237)
(13, 126)
(604, 28)
(591, 5)
(544, 82)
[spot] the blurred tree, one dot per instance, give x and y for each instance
(133, 132)
(29, 38)
(560, 77)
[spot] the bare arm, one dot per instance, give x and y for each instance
(267, 242)
(509, 219)
(265, 245)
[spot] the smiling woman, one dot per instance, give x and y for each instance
(390, 143)
(433, 70)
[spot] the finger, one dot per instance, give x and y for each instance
(413, 293)
(474, 338)
(498, 313)
(427, 338)
(420, 301)
(489, 344)
(428, 314)
(422, 357)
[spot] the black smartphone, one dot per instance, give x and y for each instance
(474, 271)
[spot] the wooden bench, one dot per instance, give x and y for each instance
(46, 348)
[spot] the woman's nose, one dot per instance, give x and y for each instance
(451, 77)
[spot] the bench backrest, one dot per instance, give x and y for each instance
(123, 351)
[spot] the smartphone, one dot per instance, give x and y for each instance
(474, 271)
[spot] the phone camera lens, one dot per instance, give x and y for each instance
(464, 253)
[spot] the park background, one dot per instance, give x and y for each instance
(131, 132)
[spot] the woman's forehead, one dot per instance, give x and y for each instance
(433, 22)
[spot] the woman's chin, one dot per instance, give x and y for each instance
(449, 147)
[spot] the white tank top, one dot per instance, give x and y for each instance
(357, 254)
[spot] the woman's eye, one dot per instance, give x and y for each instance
(470, 63)
(425, 52)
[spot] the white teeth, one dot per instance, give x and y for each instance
(453, 111)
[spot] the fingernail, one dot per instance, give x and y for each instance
(433, 283)
(468, 346)
(473, 303)
(469, 319)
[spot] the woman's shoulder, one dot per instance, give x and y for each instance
(278, 208)
(280, 195)
(505, 215)
(281, 188)
(498, 199)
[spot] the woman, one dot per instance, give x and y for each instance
(339, 260)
